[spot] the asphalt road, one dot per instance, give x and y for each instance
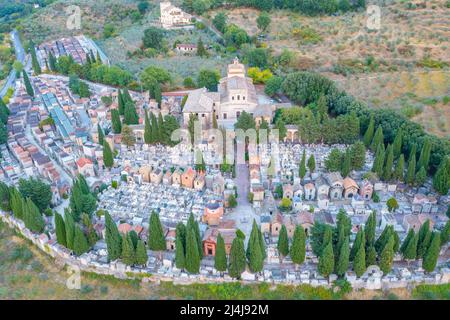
(20, 56)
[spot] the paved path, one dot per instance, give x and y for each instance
(243, 214)
(20, 56)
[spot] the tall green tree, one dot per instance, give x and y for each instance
(421, 176)
(70, 229)
(387, 256)
(397, 144)
(359, 242)
(60, 230)
(192, 224)
(108, 158)
(410, 252)
(28, 86)
(311, 163)
(112, 238)
(148, 139)
(141, 254)
(16, 203)
(115, 121)
(441, 179)
(326, 261)
(130, 115)
(32, 217)
(358, 155)
(101, 134)
(387, 173)
(298, 248)
(34, 61)
(411, 172)
(121, 103)
(400, 168)
(128, 254)
(359, 262)
(180, 244)
(283, 243)
(80, 243)
(236, 264)
(371, 256)
(425, 153)
(445, 233)
(201, 51)
(254, 251)
(5, 197)
(405, 242)
(347, 164)
(192, 252)
(37, 190)
(424, 239)
(302, 167)
(343, 260)
(368, 136)
(378, 163)
(431, 256)
(220, 259)
(369, 229)
(377, 139)
(156, 239)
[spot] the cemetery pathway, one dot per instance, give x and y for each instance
(243, 214)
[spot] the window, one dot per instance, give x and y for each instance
(224, 115)
(243, 97)
(203, 115)
(239, 97)
(232, 97)
(238, 113)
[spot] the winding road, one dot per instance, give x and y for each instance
(20, 56)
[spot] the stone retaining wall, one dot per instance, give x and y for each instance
(372, 280)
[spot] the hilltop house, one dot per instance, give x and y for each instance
(172, 16)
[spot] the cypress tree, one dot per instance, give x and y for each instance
(441, 179)
(98, 60)
(343, 260)
(347, 164)
(115, 120)
(359, 242)
(410, 251)
(52, 62)
(445, 233)
(424, 158)
(121, 103)
(130, 114)
(108, 159)
(128, 254)
(101, 135)
(298, 248)
(254, 251)
(327, 238)
(423, 238)
(387, 256)
(180, 259)
(326, 261)
(432, 254)
(311, 163)
(368, 136)
(369, 229)
(359, 263)
(220, 259)
(16, 203)
(154, 128)
(302, 168)
(126, 97)
(112, 238)
(397, 144)
(192, 224)
(5, 197)
(421, 176)
(34, 218)
(60, 230)
(147, 129)
(34, 60)
(80, 243)
(156, 240)
(396, 240)
(283, 243)
(262, 245)
(70, 229)
(237, 258)
(141, 254)
(28, 86)
(192, 256)
(377, 139)
(378, 162)
(405, 242)
(410, 173)
(383, 239)
(371, 256)
(387, 173)
(400, 168)
(160, 128)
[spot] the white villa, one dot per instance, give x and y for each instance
(236, 93)
(172, 16)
